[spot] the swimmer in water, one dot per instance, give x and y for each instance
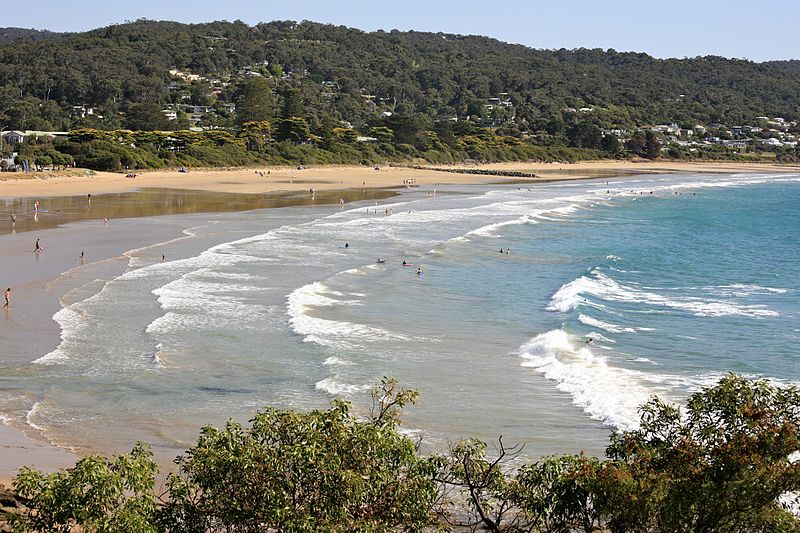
(347, 245)
(419, 271)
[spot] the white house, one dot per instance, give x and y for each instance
(19, 137)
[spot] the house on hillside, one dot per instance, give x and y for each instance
(20, 137)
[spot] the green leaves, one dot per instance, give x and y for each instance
(99, 494)
(720, 464)
(305, 471)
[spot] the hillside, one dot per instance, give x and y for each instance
(10, 35)
(439, 75)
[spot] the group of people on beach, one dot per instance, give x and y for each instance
(37, 246)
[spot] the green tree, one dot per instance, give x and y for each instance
(721, 465)
(584, 135)
(256, 134)
(652, 146)
(293, 129)
(636, 144)
(292, 103)
(254, 100)
(322, 470)
(382, 133)
(145, 117)
(610, 145)
(100, 495)
(200, 93)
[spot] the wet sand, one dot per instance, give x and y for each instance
(58, 210)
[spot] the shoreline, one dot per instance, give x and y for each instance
(23, 449)
(285, 180)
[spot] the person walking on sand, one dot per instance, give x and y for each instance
(8, 298)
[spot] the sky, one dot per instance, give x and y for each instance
(748, 29)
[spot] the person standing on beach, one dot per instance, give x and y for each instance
(36, 205)
(8, 298)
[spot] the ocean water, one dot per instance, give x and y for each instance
(612, 291)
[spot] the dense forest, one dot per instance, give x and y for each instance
(151, 75)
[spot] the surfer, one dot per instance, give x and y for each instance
(380, 261)
(404, 263)
(347, 245)
(37, 248)
(83, 256)
(419, 271)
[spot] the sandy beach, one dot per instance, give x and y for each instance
(20, 449)
(283, 179)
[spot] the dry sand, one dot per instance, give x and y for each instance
(278, 179)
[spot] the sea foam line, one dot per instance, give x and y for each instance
(612, 395)
(572, 294)
(327, 332)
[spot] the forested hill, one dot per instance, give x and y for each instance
(435, 74)
(10, 35)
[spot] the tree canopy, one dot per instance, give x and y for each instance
(723, 462)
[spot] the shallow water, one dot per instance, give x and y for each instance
(609, 294)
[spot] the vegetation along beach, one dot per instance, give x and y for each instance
(298, 276)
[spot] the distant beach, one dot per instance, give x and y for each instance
(263, 180)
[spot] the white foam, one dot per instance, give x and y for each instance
(573, 294)
(743, 290)
(70, 323)
(300, 306)
(612, 328)
(333, 361)
(335, 388)
(612, 395)
(31, 415)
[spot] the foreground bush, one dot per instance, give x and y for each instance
(723, 464)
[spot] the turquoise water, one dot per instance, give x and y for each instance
(609, 294)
